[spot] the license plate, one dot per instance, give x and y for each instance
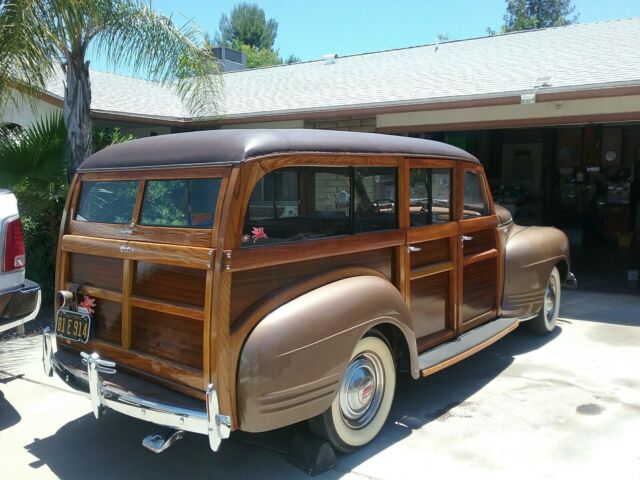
(73, 325)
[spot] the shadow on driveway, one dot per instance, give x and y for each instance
(110, 447)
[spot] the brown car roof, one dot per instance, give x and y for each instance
(224, 147)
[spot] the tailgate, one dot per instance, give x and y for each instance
(141, 251)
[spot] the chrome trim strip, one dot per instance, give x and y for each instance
(105, 394)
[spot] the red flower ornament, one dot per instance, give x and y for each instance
(88, 304)
(258, 234)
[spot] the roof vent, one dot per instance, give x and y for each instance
(330, 58)
(542, 82)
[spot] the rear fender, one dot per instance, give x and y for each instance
(292, 362)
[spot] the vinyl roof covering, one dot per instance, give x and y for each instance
(226, 147)
(574, 57)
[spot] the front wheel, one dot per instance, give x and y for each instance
(546, 320)
(364, 399)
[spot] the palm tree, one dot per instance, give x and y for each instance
(39, 36)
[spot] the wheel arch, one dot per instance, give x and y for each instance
(531, 253)
(292, 362)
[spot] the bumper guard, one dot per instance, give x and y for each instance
(104, 394)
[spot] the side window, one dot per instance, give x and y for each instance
(316, 202)
(297, 204)
(180, 203)
(107, 201)
(429, 196)
(474, 204)
(374, 199)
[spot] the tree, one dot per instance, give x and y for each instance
(259, 58)
(532, 14)
(34, 166)
(39, 36)
(247, 25)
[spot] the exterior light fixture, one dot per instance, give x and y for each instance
(527, 98)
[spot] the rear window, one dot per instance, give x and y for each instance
(107, 201)
(180, 203)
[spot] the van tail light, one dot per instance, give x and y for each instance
(14, 255)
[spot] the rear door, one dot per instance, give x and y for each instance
(432, 249)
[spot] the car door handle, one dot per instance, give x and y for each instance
(411, 248)
(466, 238)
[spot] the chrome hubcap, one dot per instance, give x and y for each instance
(550, 299)
(361, 390)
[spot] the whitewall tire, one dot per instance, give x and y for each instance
(547, 319)
(364, 398)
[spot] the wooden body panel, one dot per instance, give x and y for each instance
(179, 304)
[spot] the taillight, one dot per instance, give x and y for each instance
(14, 257)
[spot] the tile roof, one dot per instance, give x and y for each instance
(574, 57)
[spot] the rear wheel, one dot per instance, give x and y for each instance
(546, 320)
(364, 398)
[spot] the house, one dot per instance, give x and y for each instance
(554, 114)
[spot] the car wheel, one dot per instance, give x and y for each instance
(546, 320)
(364, 398)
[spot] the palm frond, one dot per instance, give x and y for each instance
(36, 154)
(152, 45)
(29, 53)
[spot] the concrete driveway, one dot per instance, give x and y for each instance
(564, 406)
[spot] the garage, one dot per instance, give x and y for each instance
(580, 178)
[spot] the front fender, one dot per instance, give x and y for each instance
(530, 255)
(292, 362)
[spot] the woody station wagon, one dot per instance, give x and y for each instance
(250, 279)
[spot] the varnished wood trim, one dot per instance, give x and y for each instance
(222, 364)
(137, 207)
(480, 257)
(168, 307)
(194, 257)
(434, 339)
(479, 320)
(436, 368)
(169, 173)
(133, 359)
(281, 296)
(127, 286)
(430, 163)
(269, 164)
(402, 259)
(62, 258)
(432, 269)
(196, 237)
(206, 328)
(102, 293)
(268, 255)
(471, 225)
(431, 232)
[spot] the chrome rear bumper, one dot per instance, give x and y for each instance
(105, 394)
(20, 305)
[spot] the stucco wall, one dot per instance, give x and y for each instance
(27, 113)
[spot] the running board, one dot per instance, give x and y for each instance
(440, 357)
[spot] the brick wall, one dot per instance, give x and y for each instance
(349, 124)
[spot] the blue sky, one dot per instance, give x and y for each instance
(311, 28)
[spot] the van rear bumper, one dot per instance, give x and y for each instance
(135, 397)
(19, 305)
